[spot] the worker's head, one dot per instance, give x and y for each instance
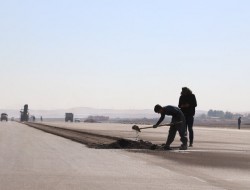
(186, 91)
(157, 108)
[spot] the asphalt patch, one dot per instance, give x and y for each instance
(97, 141)
(129, 144)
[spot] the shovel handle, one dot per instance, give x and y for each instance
(167, 124)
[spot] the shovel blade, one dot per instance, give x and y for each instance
(135, 127)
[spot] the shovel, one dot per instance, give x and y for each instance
(136, 128)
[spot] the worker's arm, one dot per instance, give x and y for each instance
(194, 101)
(159, 121)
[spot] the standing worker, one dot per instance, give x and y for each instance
(239, 122)
(177, 116)
(187, 104)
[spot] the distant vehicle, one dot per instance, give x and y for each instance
(12, 119)
(77, 120)
(69, 117)
(4, 116)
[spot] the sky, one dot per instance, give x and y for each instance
(124, 54)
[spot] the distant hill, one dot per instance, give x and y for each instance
(84, 112)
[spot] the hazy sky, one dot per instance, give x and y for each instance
(124, 54)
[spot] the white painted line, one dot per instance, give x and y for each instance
(180, 151)
(208, 150)
(199, 179)
(192, 151)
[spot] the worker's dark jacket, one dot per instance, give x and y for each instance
(175, 112)
(188, 99)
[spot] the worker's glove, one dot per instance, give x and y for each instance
(155, 126)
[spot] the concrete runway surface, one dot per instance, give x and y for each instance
(32, 159)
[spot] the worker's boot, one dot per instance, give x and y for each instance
(183, 147)
(167, 147)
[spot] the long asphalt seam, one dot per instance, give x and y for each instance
(70, 132)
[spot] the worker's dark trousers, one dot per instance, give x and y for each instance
(189, 127)
(178, 127)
